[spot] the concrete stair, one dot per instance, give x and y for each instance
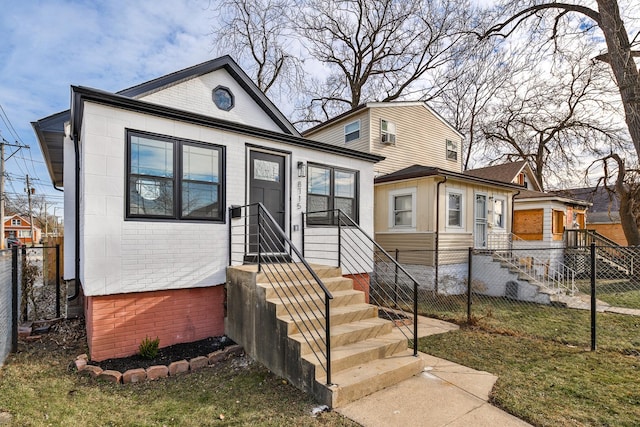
(281, 324)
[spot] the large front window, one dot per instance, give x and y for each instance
(173, 179)
(329, 189)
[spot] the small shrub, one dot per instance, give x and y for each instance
(149, 348)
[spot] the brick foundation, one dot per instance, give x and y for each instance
(361, 282)
(116, 324)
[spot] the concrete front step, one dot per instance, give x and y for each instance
(292, 269)
(339, 315)
(316, 302)
(344, 334)
(305, 286)
(357, 353)
(353, 383)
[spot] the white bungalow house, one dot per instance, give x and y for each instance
(149, 174)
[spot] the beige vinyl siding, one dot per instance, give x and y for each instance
(413, 248)
(454, 247)
(425, 204)
(420, 139)
(334, 134)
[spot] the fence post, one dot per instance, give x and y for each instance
(395, 281)
(593, 296)
(229, 232)
(14, 299)
(469, 273)
(25, 315)
(57, 279)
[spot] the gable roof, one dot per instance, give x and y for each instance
(25, 222)
(386, 104)
(419, 171)
(506, 172)
(50, 130)
(530, 195)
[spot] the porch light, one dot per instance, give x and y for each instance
(302, 170)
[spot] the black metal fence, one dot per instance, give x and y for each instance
(577, 297)
(30, 290)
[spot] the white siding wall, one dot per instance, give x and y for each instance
(195, 95)
(69, 207)
(121, 256)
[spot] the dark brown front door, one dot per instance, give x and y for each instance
(267, 186)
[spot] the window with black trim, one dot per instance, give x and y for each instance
(329, 189)
(171, 178)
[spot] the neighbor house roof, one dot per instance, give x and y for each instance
(506, 172)
(530, 195)
(419, 171)
(387, 104)
(605, 204)
(50, 130)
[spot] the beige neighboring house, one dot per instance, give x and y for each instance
(405, 133)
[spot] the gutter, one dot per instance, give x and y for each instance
(437, 242)
(76, 281)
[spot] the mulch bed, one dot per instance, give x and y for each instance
(167, 355)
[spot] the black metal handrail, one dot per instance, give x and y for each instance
(620, 256)
(265, 243)
(391, 286)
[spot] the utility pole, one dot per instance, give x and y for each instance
(29, 192)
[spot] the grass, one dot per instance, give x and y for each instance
(38, 388)
(547, 383)
(620, 293)
(547, 375)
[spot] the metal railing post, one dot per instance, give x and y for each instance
(229, 244)
(415, 318)
(57, 279)
(339, 241)
(259, 237)
(328, 336)
(395, 281)
(593, 296)
(469, 279)
(302, 226)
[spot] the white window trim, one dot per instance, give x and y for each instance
(504, 213)
(456, 150)
(390, 132)
(345, 131)
(462, 207)
(412, 191)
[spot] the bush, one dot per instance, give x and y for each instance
(149, 348)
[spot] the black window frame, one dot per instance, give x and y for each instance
(331, 219)
(177, 164)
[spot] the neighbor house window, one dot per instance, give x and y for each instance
(557, 222)
(15, 221)
(454, 209)
(24, 233)
(352, 131)
(402, 208)
(329, 189)
(498, 212)
(452, 150)
(171, 178)
(387, 132)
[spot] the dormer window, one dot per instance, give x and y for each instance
(352, 131)
(452, 150)
(387, 132)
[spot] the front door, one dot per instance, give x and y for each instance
(267, 186)
(480, 232)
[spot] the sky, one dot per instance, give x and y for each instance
(49, 45)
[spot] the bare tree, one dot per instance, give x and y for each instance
(548, 118)
(376, 49)
(258, 34)
(621, 51)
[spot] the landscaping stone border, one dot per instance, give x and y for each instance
(156, 371)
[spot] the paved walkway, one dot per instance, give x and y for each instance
(583, 302)
(444, 394)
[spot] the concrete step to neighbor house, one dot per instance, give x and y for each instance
(280, 271)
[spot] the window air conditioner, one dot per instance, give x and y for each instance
(388, 138)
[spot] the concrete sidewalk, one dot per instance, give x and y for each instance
(444, 394)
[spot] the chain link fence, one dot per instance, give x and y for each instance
(577, 296)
